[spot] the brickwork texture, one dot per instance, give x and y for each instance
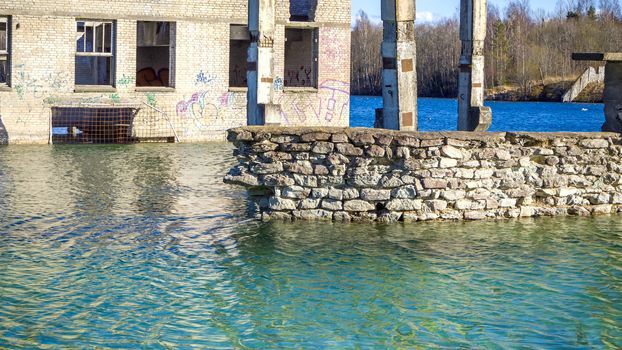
(200, 104)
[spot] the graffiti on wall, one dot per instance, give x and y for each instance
(201, 111)
(204, 79)
(151, 99)
(28, 86)
(278, 84)
(125, 81)
(330, 104)
(302, 77)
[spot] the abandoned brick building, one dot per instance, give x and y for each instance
(119, 70)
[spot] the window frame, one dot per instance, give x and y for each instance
(94, 52)
(315, 52)
(5, 55)
(233, 88)
(172, 56)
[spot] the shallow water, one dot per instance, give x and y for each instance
(442, 114)
(142, 246)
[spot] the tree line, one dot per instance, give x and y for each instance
(524, 48)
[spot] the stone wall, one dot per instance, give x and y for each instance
(378, 175)
(201, 105)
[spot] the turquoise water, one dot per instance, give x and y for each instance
(142, 246)
(441, 114)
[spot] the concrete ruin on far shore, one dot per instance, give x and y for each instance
(612, 96)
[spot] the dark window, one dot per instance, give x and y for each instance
(5, 55)
(240, 41)
(155, 54)
(302, 10)
(301, 57)
(94, 53)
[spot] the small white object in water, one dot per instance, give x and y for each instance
(584, 109)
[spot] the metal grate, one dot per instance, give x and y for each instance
(110, 124)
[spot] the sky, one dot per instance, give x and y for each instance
(431, 10)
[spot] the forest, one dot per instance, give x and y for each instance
(528, 53)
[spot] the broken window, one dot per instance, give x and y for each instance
(94, 53)
(240, 41)
(4, 51)
(155, 54)
(301, 57)
(302, 10)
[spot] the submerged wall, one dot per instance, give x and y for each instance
(378, 175)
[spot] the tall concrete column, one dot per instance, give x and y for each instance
(399, 73)
(262, 26)
(472, 115)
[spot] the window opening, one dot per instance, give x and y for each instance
(94, 53)
(239, 43)
(155, 54)
(301, 57)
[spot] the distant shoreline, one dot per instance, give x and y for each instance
(551, 92)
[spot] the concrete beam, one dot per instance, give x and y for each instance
(399, 73)
(262, 27)
(472, 114)
(595, 56)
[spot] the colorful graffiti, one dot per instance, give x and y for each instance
(330, 104)
(152, 99)
(232, 100)
(278, 84)
(201, 112)
(194, 107)
(125, 80)
(204, 79)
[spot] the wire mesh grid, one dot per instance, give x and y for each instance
(111, 124)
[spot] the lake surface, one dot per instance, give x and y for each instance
(143, 246)
(442, 115)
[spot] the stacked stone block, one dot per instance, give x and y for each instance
(378, 175)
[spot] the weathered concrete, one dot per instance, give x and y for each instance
(399, 73)
(472, 115)
(262, 25)
(381, 175)
(613, 87)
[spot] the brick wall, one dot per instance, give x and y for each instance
(201, 106)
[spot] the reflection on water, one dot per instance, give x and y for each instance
(143, 246)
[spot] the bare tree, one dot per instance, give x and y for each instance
(523, 48)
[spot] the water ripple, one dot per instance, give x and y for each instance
(144, 247)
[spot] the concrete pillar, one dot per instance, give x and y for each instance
(472, 115)
(399, 73)
(613, 96)
(262, 27)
